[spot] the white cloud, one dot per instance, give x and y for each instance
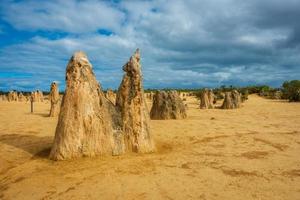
(67, 16)
(183, 43)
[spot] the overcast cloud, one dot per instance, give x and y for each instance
(188, 43)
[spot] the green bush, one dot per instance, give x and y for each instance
(244, 92)
(291, 90)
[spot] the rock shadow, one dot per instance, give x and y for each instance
(42, 114)
(32, 144)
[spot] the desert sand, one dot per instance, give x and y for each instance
(248, 153)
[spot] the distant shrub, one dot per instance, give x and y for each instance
(244, 92)
(291, 90)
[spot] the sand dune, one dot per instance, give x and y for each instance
(246, 153)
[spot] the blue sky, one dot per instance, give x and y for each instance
(184, 44)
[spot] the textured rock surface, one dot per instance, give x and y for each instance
(84, 126)
(111, 96)
(132, 105)
(3, 97)
(54, 99)
(232, 100)
(206, 99)
(167, 105)
(211, 98)
(37, 96)
(40, 96)
(12, 96)
(21, 97)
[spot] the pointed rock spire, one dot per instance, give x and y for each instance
(132, 104)
(84, 126)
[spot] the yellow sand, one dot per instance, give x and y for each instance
(248, 153)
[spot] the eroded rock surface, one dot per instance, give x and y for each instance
(232, 100)
(167, 105)
(132, 105)
(206, 99)
(54, 99)
(84, 126)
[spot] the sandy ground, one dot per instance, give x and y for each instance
(249, 153)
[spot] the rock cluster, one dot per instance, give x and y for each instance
(167, 105)
(37, 96)
(3, 97)
(207, 99)
(232, 100)
(12, 96)
(149, 95)
(21, 97)
(54, 99)
(91, 125)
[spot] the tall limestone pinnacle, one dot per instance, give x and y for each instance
(54, 99)
(83, 127)
(132, 104)
(89, 124)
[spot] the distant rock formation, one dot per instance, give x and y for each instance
(111, 96)
(21, 97)
(132, 104)
(183, 95)
(167, 105)
(150, 96)
(3, 97)
(206, 99)
(211, 98)
(12, 96)
(40, 96)
(37, 96)
(54, 99)
(84, 126)
(232, 100)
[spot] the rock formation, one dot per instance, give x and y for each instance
(40, 96)
(84, 126)
(206, 99)
(3, 97)
(150, 96)
(89, 124)
(111, 96)
(167, 105)
(54, 99)
(31, 97)
(37, 96)
(211, 98)
(12, 96)
(21, 97)
(232, 100)
(132, 105)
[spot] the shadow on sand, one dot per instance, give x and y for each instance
(42, 114)
(38, 147)
(38, 114)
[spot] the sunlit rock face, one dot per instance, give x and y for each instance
(84, 125)
(54, 99)
(167, 105)
(132, 105)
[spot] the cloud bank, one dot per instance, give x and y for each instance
(187, 44)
